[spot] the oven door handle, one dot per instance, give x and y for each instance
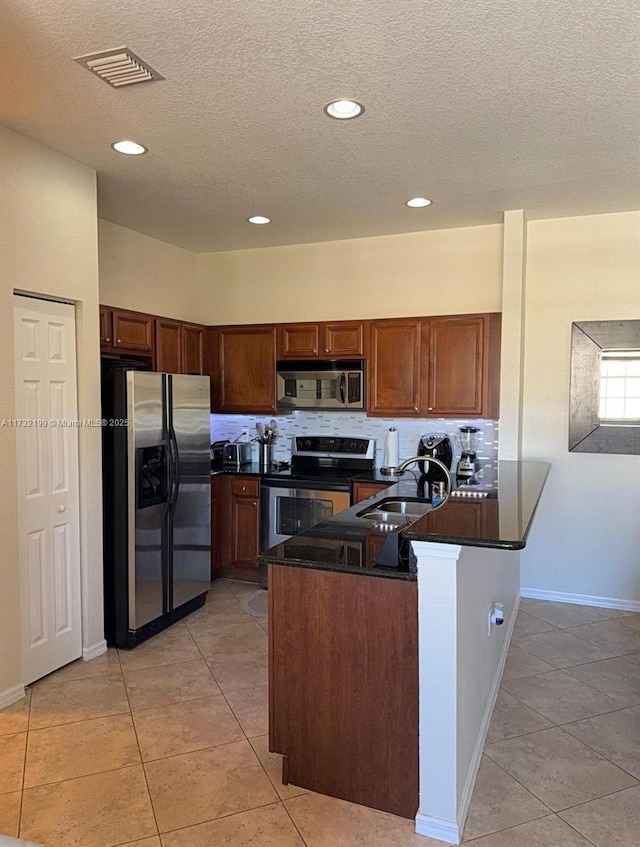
(343, 388)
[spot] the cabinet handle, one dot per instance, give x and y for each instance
(244, 487)
(118, 341)
(430, 409)
(326, 349)
(107, 339)
(254, 503)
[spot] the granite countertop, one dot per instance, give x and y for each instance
(350, 541)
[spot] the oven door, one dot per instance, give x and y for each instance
(289, 508)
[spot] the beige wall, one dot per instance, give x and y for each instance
(144, 274)
(422, 273)
(586, 538)
(48, 245)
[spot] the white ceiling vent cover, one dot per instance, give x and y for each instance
(119, 67)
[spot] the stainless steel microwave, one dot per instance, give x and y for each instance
(321, 384)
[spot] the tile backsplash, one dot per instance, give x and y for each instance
(355, 424)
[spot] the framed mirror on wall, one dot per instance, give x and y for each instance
(604, 411)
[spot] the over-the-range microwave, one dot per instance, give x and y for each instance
(321, 384)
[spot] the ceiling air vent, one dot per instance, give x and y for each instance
(119, 67)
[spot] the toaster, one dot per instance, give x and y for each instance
(237, 454)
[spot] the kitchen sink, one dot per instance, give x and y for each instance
(396, 511)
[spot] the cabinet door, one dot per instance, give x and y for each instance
(245, 532)
(460, 369)
(364, 490)
(168, 346)
(106, 326)
(242, 369)
(397, 350)
(133, 331)
(298, 341)
(219, 524)
(192, 349)
(463, 518)
(344, 338)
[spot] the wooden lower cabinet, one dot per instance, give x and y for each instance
(364, 490)
(343, 685)
(235, 526)
(218, 523)
(464, 518)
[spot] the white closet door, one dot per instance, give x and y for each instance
(48, 497)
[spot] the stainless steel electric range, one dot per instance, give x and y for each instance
(315, 487)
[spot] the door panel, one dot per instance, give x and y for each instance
(192, 509)
(147, 532)
(48, 497)
(168, 346)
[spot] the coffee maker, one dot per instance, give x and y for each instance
(468, 463)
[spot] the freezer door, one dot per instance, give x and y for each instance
(191, 505)
(149, 484)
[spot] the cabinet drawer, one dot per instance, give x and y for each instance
(245, 487)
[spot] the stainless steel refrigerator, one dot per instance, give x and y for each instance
(157, 489)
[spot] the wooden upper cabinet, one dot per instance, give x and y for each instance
(298, 341)
(168, 346)
(179, 347)
(133, 331)
(396, 363)
(192, 349)
(106, 326)
(334, 340)
(242, 369)
(463, 366)
(343, 339)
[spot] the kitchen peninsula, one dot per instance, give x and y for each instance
(383, 664)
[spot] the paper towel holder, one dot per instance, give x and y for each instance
(391, 470)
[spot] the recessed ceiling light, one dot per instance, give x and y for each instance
(344, 109)
(259, 219)
(129, 148)
(418, 202)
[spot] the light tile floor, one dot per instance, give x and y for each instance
(166, 746)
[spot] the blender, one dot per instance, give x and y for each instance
(468, 464)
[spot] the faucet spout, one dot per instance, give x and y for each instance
(447, 473)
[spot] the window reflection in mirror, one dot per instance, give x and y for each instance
(620, 387)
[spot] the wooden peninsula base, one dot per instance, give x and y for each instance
(343, 685)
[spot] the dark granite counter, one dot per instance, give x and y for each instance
(494, 509)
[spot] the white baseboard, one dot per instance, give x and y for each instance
(443, 830)
(93, 652)
(438, 829)
(581, 599)
(11, 696)
(472, 773)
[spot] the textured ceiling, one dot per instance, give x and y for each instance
(482, 105)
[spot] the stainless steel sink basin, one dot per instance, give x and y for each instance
(396, 511)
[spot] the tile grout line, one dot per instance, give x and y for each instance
(24, 767)
(135, 732)
(295, 825)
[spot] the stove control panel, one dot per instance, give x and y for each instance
(334, 446)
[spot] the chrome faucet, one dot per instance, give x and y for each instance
(447, 473)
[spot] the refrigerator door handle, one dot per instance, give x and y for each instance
(174, 464)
